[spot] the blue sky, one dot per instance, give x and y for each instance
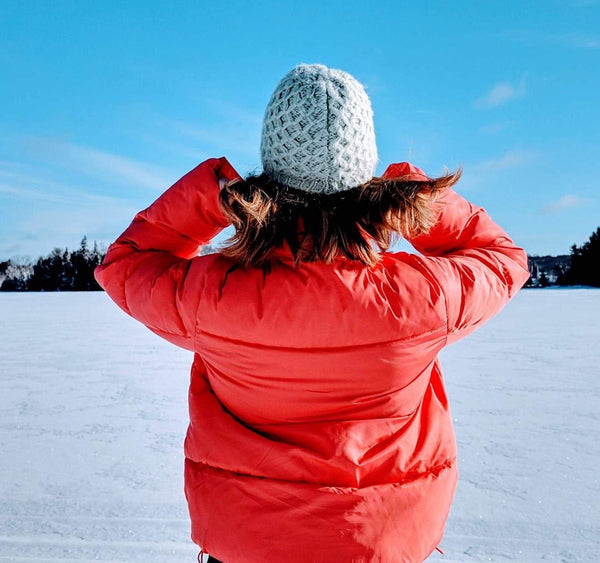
(104, 105)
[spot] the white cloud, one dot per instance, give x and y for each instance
(19, 182)
(42, 228)
(477, 174)
(583, 3)
(500, 94)
(45, 213)
(494, 128)
(373, 84)
(225, 138)
(95, 162)
(568, 201)
(580, 41)
(572, 40)
(233, 111)
(510, 159)
(63, 224)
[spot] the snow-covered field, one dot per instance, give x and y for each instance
(93, 412)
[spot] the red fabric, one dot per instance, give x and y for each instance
(319, 424)
(405, 169)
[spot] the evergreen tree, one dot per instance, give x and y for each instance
(585, 262)
(14, 284)
(48, 272)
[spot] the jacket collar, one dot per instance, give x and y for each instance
(284, 253)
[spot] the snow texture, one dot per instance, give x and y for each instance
(93, 413)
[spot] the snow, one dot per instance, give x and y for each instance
(93, 414)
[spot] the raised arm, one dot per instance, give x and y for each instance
(472, 260)
(150, 271)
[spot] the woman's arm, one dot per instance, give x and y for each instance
(152, 270)
(472, 261)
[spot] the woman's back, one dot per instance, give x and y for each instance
(319, 396)
(328, 358)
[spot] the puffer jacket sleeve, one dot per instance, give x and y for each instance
(152, 270)
(472, 261)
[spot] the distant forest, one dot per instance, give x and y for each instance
(581, 267)
(61, 270)
(64, 270)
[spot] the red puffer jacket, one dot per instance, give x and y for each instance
(320, 429)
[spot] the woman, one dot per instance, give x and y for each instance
(319, 423)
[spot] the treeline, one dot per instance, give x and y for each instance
(585, 263)
(59, 271)
(547, 270)
(581, 267)
(74, 271)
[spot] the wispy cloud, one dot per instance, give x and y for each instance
(576, 40)
(233, 111)
(63, 224)
(239, 143)
(569, 201)
(42, 229)
(573, 40)
(373, 83)
(494, 128)
(45, 213)
(583, 3)
(510, 159)
(45, 226)
(91, 161)
(18, 182)
(67, 196)
(579, 41)
(500, 94)
(477, 174)
(227, 129)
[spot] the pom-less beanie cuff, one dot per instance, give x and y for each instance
(318, 133)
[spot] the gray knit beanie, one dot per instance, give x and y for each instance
(318, 132)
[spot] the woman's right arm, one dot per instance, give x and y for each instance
(472, 260)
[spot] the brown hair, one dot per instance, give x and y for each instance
(316, 226)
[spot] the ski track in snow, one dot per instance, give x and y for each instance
(93, 413)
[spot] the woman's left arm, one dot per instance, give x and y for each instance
(150, 271)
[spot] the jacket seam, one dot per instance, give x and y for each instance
(410, 476)
(196, 315)
(446, 314)
(443, 327)
(446, 320)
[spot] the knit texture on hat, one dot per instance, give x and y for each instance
(318, 133)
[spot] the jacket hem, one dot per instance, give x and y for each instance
(408, 478)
